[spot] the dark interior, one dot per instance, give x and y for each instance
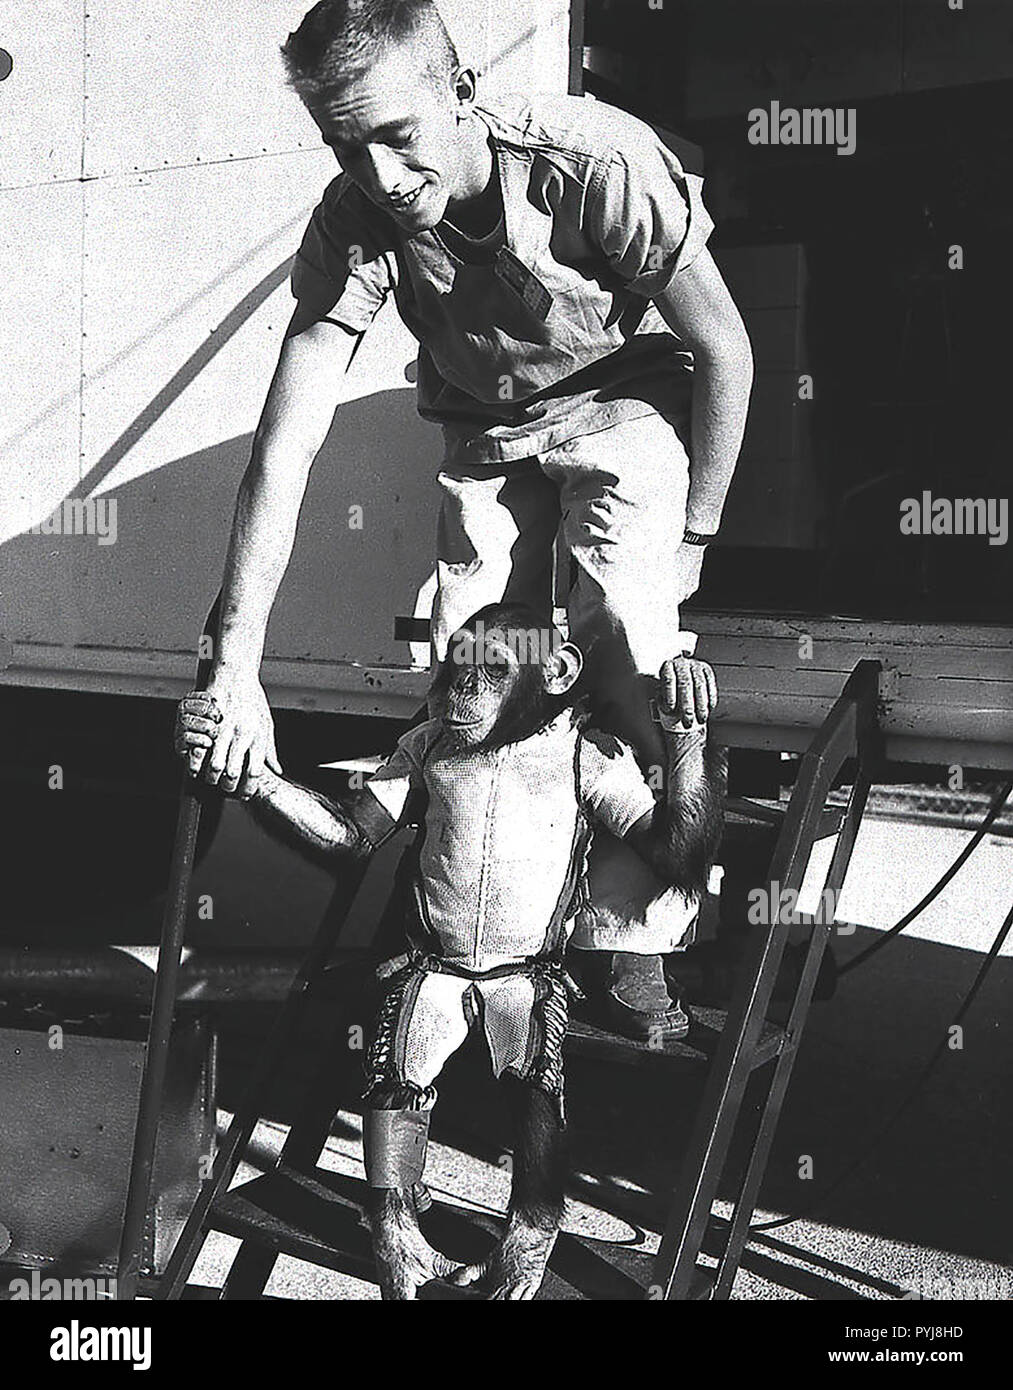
(909, 358)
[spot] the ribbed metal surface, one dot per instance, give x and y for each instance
(931, 805)
(65, 1143)
(155, 178)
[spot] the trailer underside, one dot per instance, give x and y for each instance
(946, 691)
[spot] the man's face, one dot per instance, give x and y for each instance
(399, 138)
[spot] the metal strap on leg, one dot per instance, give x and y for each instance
(394, 1146)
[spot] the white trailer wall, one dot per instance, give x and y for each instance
(155, 177)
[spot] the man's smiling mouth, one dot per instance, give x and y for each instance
(403, 203)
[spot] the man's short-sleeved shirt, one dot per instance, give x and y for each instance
(502, 830)
(553, 335)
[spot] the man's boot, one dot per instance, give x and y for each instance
(630, 995)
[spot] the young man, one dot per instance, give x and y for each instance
(550, 256)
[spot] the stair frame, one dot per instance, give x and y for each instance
(849, 732)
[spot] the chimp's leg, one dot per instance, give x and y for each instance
(394, 1138)
(516, 1267)
(421, 1021)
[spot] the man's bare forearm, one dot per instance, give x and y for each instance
(698, 308)
(260, 547)
(721, 387)
(295, 421)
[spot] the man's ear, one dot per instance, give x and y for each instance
(465, 90)
(562, 668)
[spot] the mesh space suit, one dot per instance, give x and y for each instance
(500, 878)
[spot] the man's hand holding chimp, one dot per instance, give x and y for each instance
(687, 695)
(226, 753)
(322, 828)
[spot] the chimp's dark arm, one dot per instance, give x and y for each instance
(318, 826)
(681, 839)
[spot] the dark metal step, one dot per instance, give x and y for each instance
(318, 1218)
(292, 1215)
(740, 808)
(585, 1038)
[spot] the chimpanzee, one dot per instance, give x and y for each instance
(508, 781)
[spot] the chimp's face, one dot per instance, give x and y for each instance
(500, 683)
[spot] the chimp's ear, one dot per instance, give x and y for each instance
(562, 668)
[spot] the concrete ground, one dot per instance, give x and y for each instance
(927, 1211)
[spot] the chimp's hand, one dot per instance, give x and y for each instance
(197, 721)
(689, 690)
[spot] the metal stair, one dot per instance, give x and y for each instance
(316, 1215)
